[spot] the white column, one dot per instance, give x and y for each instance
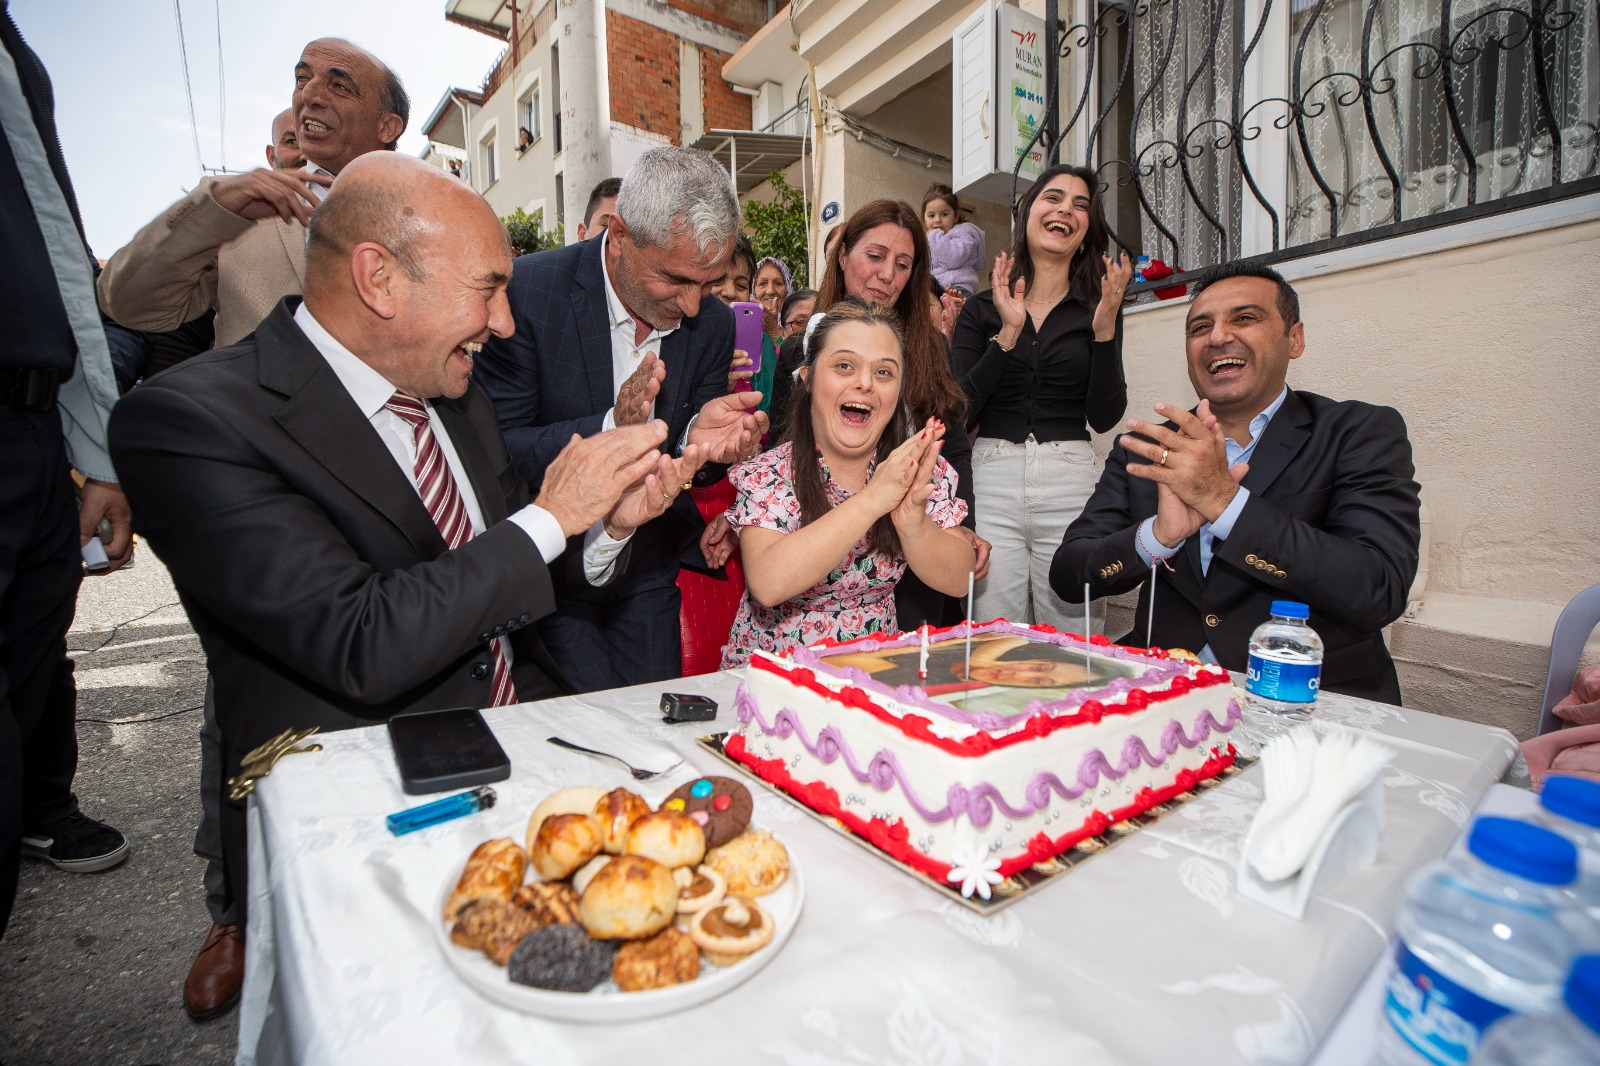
(585, 104)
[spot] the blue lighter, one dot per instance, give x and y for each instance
(443, 810)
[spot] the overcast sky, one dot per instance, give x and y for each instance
(120, 104)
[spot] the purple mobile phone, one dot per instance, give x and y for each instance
(747, 329)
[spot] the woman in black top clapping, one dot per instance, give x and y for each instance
(1040, 357)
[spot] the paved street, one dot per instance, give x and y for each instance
(92, 966)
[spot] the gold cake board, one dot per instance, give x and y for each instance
(1020, 884)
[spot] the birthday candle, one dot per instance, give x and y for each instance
(1150, 623)
(1087, 669)
(922, 660)
(968, 674)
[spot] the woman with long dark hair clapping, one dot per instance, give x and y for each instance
(1040, 358)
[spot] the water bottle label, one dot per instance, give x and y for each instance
(1273, 679)
(1439, 1019)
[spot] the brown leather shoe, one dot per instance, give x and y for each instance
(216, 975)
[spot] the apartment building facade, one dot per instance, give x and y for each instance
(532, 135)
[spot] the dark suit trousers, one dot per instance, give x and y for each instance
(40, 570)
(632, 641)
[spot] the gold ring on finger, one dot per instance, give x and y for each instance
(1163, 460)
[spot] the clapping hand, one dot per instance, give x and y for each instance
(895, 479)
(1008, 299)
(652, 494)
(729, 428)
(1112, 286)
(949, 310)
(585, 482)
(638, 394)
(1194, 483)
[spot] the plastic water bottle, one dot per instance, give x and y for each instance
(1571, 807)
(1481, 936)
(1569, 1038)
(1139, 267)
(1285, 668)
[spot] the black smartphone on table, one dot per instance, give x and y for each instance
(438, 751)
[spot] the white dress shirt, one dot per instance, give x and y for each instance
(371, 391)
(317, 192)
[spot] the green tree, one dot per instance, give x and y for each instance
(779, 228)
(528, 235)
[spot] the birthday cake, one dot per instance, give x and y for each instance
(970, 765)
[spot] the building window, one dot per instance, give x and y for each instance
(491, 170)
(1223, 128)
(528, 126)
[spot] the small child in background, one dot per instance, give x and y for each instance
(955, 248)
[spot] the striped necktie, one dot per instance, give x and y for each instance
(443, 500)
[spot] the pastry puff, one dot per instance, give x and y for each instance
(494, 870)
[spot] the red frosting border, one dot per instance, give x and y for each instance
(980, 743)
(895, 840)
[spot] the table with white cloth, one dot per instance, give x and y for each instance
(1143, 954)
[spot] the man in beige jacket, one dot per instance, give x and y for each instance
(237, 244)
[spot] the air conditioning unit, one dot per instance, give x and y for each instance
(998, 79)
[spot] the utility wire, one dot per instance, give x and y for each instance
(141, 721)
(115, 629)
(222, 89)
(183, 54)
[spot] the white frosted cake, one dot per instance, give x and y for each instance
(988, 764)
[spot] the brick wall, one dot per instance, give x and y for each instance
(644, 76)
(743, 16)
(725, 109)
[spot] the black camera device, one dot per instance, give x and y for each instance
(681, 707)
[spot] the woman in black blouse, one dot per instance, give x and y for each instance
(1040, 357)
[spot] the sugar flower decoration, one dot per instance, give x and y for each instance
(975, 871)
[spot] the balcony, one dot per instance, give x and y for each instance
(1230, 128)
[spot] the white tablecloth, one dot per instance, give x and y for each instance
(1144, 955)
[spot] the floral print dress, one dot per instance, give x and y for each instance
(857, 596)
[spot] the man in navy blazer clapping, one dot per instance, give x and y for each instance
(613, 331)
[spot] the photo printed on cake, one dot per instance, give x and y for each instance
(1007, 674)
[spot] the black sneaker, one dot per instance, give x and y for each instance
(78, 844)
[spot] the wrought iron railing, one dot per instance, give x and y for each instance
(1231, 128)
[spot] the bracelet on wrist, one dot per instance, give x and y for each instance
(1002, 345)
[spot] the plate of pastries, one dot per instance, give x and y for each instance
(611, 909)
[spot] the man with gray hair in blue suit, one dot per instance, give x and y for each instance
(614, 331)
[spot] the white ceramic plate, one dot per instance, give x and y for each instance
(607, 1003)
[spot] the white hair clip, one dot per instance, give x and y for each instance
(811, 327)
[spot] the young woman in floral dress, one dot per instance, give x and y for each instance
(825, 540)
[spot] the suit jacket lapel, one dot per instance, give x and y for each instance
(1285, 435)
(293, 239)
(322, 418)
(675, 354)
(484, 484)
(593, 320)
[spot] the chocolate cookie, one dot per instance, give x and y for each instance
(720, 804)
